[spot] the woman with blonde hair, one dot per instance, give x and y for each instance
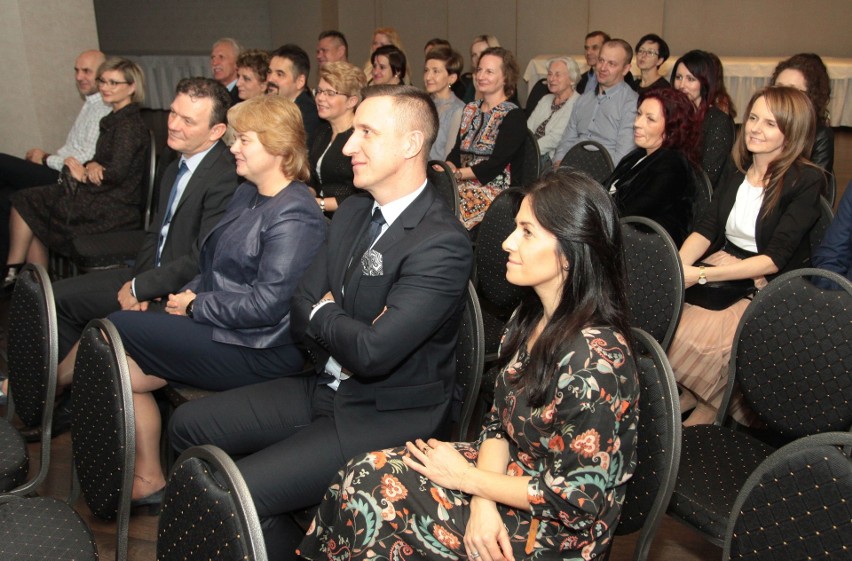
(757, 228)
(230, 326)
(336, 96)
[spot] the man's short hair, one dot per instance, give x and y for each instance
(335, 34)
(198, 87)
(628, 50)
(597, 33)
(417, 110)
(296, 55)
(231, 43)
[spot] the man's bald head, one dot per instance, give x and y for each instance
(86, 70)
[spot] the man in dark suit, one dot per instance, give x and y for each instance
(380, 315)
(194, 191)
(289, 68)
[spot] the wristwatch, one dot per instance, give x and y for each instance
(702, 275)
(189, 308)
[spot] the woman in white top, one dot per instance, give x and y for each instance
(443, 66)
(550, 117)
(757, 228)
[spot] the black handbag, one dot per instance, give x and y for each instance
(719, 295)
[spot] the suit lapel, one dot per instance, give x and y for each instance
(196, 180)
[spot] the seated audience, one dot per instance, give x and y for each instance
(383, 347)
(490, 144)
(835, 251)
(100, 195)
(467, 82)
(443, 65)
(252, 69)
(548, 476)
(651, 53)
(605, 113)
(389, 66)
(382, 36)
(756, 228)
(230, 326)
(337, 96)
(592, 46)
(289, 68)
(656, 180)
(697, 74)
(550, 117)
(223, 64)
(807, 72)
(332, 47)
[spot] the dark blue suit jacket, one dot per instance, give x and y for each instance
(248, 276)
(403, 363)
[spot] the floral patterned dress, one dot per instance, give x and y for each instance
(579, 449)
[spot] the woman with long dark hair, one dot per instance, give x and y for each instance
(699, 75)
(656, 180)
(548, 475)
(756, 228)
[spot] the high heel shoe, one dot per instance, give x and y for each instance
(150, 504)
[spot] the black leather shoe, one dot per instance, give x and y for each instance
(61, 420)
(150, 504)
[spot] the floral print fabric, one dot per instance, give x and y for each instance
(579, 449)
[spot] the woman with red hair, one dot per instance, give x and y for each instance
(656, 179)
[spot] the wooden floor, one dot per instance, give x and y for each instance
(673, 540)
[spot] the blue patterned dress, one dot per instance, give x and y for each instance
(579, 449)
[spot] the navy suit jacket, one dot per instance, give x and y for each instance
(201, 206)
(403, 363)
(259, 256)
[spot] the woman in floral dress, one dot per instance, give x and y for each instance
(547, 477)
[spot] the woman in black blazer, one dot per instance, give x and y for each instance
(757, 227)
(230, 326)
(337, 96)
(656, 180)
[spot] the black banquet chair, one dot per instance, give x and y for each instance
(590, 157)
(470, 360)
(32, 357)
(654, 278)
(703, 192)
(445, 183)
(791, 361)
(207, 511)
(817, 233)
(796, 504)
(532, 162)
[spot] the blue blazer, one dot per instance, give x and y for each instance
(251, 263)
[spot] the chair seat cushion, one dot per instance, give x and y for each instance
(14, 459)
(706, 490)
(43, 528)
(109, 249)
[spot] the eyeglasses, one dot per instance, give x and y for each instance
(110, 83)
(329, 93)
(648, 52)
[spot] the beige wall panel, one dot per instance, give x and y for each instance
(417, 22)
(358, 19)
(760, 27)
(628, 20)
(296, 22)
(551, 27)
(478, 17)
(40, 41)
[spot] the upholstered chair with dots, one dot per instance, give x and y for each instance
(208, 512)
(791, 359)
(796, 505)
(32, 357)
(591, 157)
(445, 184)
(654, 278)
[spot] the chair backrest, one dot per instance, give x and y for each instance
(658, 445)
(591, 157)
(445, 183)
(796, 505)
(496, 225)
(32, 356)
(150, 184)
(103, 425)
(830, 192)
(532, 162)
(470, 360)
(817, 233)
(654, 277)
(792, 355)
(208, 512)
(703, 191)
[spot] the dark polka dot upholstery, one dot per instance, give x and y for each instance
(658, 446)
(797, 505)
(791, 358)
(207, 512)
(470, 358)
(445, 184)
(654, 278)
(43, 528)
(14, 460)
(590, 157)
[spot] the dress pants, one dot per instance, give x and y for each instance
(284, 435)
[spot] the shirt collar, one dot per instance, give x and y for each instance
(232, 85)
(94, 98)
(193, 161)
(394, 209)
(611, 91)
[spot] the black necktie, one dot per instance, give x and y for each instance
(366, 241)
(167, 219)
